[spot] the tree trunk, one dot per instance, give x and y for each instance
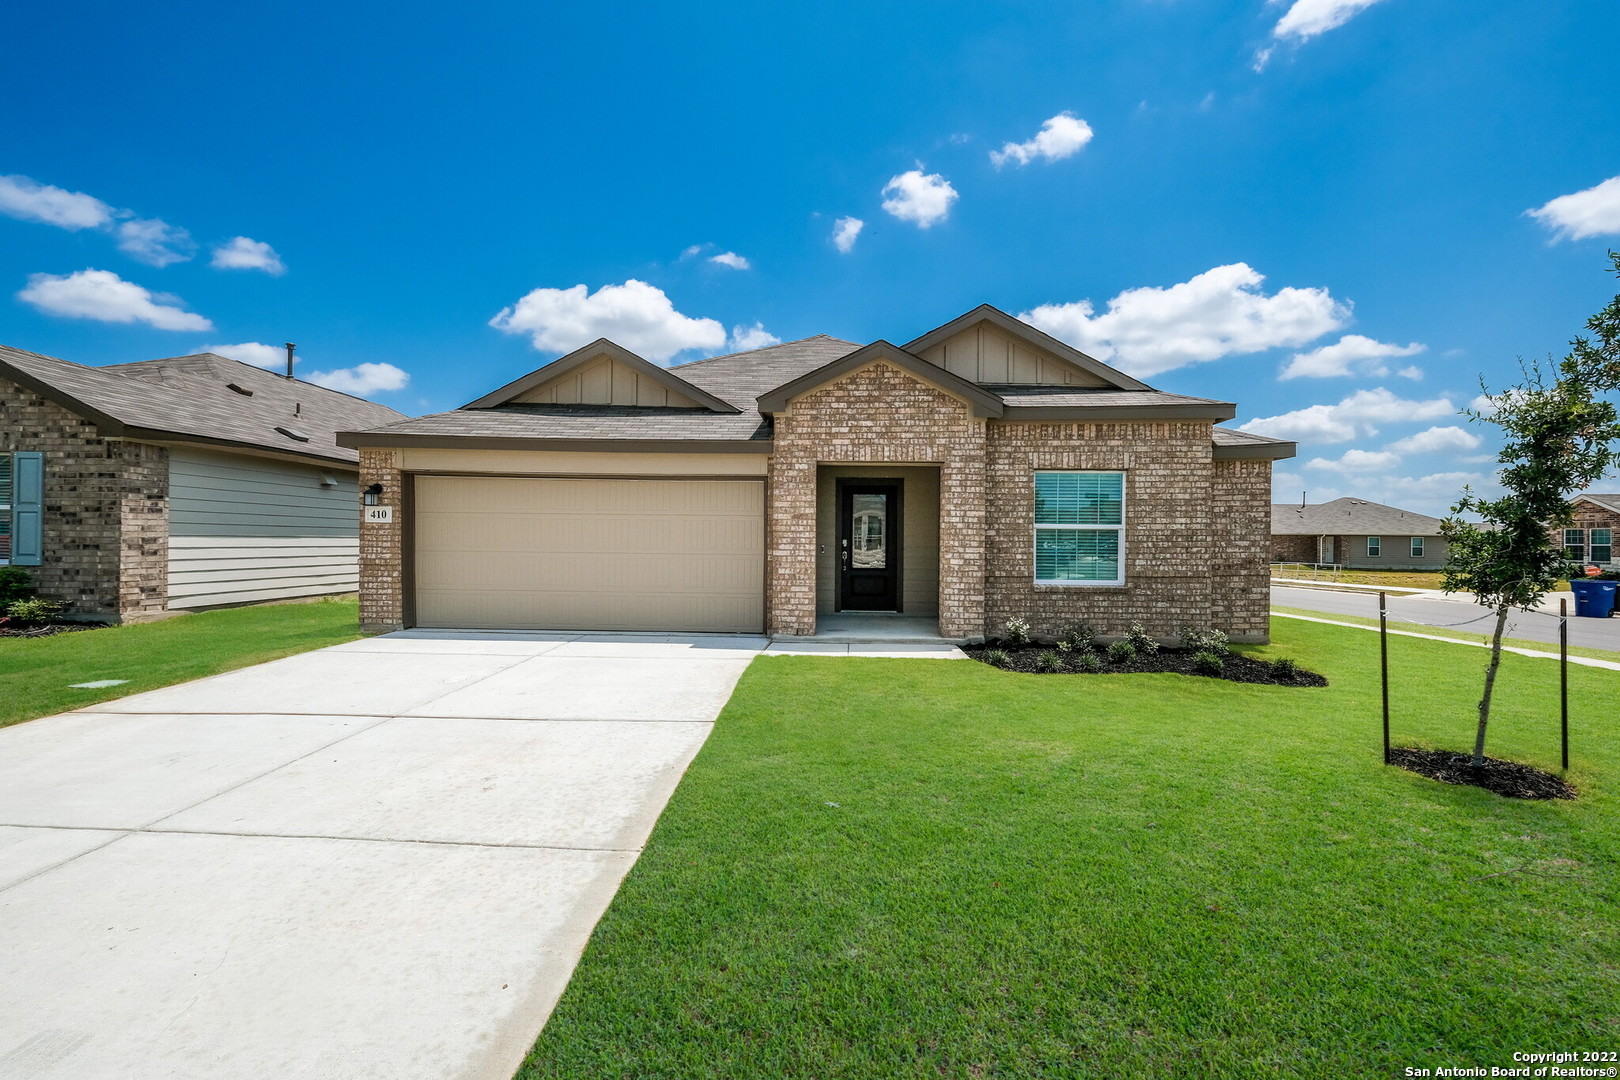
(1490, 684)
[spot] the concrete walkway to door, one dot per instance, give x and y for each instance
(380, 859)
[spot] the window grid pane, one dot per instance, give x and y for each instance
(1602, 545)
(1417, 547)
(1077, 555)
(1079, 498)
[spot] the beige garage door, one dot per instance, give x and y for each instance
(495, 552)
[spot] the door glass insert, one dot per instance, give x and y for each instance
(869, 531)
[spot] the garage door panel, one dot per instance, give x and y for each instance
(536, 553)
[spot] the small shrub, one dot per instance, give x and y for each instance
(1121, 652)
(15, 584)
(1049, 662)
(1285, 668)
(1088, 662)
(1065, 648)
(1208, 663)
(997, 657)
(1016, 632)
(1142, 641)
(35, 609)
(1079, 636)
(1200, 641)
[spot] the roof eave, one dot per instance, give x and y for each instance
(1214, 411)
(1256, 451)
(359, 440)
(159, 436)
(107, 425)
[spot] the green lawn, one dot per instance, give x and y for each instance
(892, 868)
(36, 673)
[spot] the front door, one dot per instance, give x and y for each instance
(869, 545)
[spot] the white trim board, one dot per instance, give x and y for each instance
(1584, 661)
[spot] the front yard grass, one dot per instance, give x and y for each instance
(36, 673)
(906, 868)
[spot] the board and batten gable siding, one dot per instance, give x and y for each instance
(245, 529)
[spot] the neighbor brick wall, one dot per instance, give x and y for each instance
(1590, 517)
(382, 547)
(1301, 549)
(1169, 545)
(105, 526)
(1240, 524)
(878, 413)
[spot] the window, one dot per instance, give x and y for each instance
(1080, 528)
(1575, 544)
(1375, 546)
(1417, 547)
(1602, 545)
(22, 476)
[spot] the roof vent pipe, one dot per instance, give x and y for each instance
(290, 348)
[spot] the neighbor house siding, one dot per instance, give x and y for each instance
(245, 529)
(1396, 553)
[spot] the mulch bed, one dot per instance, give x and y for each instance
(1506, 778)
(44, 629)
(1243, 669)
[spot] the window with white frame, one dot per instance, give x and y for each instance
(1602, 545)
(1079, 528)
(1417, 547)
(1575, 544)
(1375, 546)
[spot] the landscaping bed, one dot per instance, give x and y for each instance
(12, 628)
(1037, 660)
(1506, 778)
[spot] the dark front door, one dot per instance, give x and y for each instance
(869, 545)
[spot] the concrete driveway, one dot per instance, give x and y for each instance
(381, 859)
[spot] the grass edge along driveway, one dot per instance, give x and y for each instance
(896, 868)
(36, 674)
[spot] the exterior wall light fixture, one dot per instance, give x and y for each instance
(372, 493)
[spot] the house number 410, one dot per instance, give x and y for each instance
(380, 515)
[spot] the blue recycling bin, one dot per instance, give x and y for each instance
(1594, 599)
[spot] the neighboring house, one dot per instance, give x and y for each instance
(136, 489)
(980, 472)
(1590, 537)
(1358, 534)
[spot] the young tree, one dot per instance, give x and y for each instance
(1559, 435)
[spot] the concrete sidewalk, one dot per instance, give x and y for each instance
(381, 859)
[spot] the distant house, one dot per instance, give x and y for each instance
(1590, 537)
(137, 489)
(1356, 533)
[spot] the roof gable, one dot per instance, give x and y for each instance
(987, 345)
(982, 401)
(603, 373)
(1602, 501)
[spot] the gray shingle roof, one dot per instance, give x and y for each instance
(1608, 502)
(1050, 397)
(187, 398)
(1349, 517)
(1232, 437)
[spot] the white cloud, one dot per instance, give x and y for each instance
(1437, 440)
(731, 259)
(695, 250)
(635, 314)
(924, 199)
(271, 357)
(1593, 212)
(845, 232)
(154, 241)
(1356, 461)
(744, 338)
(362, 379)
(1306, 19)
(1411, 371)
(243, 253)
(1352, 354)
(29, 200)
(104, 296)
(1060, 136)
(1356, 416)
(1221, 312)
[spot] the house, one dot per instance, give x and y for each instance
(979, 472)
(1356, 533)
(1589, 538)
(133, 490)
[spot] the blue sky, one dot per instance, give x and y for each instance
(1228, 185)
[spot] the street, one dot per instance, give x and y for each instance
(1452, 614)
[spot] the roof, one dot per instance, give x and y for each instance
(747, 387)
(189, 399)
(1349, 517)
(1608, 502)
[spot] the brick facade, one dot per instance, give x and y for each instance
(1295, 548)
(382, 547)
(105, 525)
(1589, 516)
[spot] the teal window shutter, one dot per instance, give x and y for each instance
(27, 507)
